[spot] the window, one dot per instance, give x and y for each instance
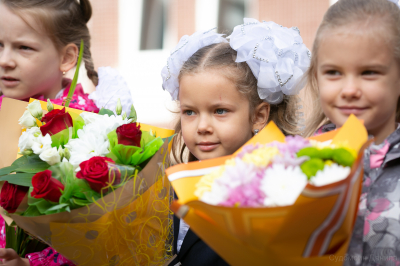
(152, 34)
(231, 13)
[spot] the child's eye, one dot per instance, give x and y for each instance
(369, 72)
(332, 72)
(26, 48)
(188, 112)
(221, 111)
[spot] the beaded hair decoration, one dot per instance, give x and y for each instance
(276, 55)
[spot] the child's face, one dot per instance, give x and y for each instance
(358, 74)
(29, 61)
(215, 116)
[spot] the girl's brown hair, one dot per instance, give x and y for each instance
(64, 22)
(221, 57)
(367, 13)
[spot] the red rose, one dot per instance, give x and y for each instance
(11, 196)
(129, 134)
(46, 187)
(56, 121)
(97, 173)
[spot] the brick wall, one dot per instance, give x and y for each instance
(181, 17)
(103, 28)
(304, 14)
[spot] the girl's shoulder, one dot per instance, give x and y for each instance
(112, 86)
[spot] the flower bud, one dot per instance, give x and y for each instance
(132, 114)
(26, 152)
(27, 120)
(35, 109)
(124, 115)
(118, 109)
(61, 152)
(67, 154)
(50, 106)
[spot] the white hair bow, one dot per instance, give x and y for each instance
(186, 47)
(275, 54)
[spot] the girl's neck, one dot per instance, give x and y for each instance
(382, 133)
(51, 94)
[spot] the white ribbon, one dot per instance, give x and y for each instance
(186, 47)
(275, 54)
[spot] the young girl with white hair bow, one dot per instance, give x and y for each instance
(228, 91)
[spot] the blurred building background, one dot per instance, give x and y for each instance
(135, 36)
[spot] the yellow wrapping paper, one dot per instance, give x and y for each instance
(316, 230)
(130, 226)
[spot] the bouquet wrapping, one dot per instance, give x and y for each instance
(314, 230)
(123, 221)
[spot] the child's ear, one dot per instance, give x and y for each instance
(261, 115)
(69, 57)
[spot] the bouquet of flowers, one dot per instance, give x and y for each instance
(278, 200)
(90, 185)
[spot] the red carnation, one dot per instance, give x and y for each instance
(46, 187)
(11, 196)
(129, 134)
(56, 121)
(97, 173)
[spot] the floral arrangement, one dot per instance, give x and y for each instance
(70, 160)
(275, 174)
(94, 178)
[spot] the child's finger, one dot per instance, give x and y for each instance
(8, 254)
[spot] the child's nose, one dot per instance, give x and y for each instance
(6, 59)
(205, 125)
(351, 89)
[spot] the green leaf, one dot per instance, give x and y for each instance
(75, 79)
(11, 237)
(57, 207)
(61, 138)
(104, 111)
(30, 164)
(21, 161)
(31, 211)
(33, 167)
(7, 170)
(21, 179)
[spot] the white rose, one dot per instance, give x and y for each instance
(41, 144)
(27, 120)
(35, 109)
(51, 156)
(27, 139)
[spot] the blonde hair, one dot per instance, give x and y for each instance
(64, 22)
(222, 57)
(344, 13)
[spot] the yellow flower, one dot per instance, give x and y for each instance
(261, 157)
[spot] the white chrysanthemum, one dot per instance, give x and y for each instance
(331, 174)
(51, 156)
(27, 138)
(32, 139)
(282, 186)
(87, 145)
(218, 194)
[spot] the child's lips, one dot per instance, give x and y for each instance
(9, 82)
(348, 110)
(208, 146)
